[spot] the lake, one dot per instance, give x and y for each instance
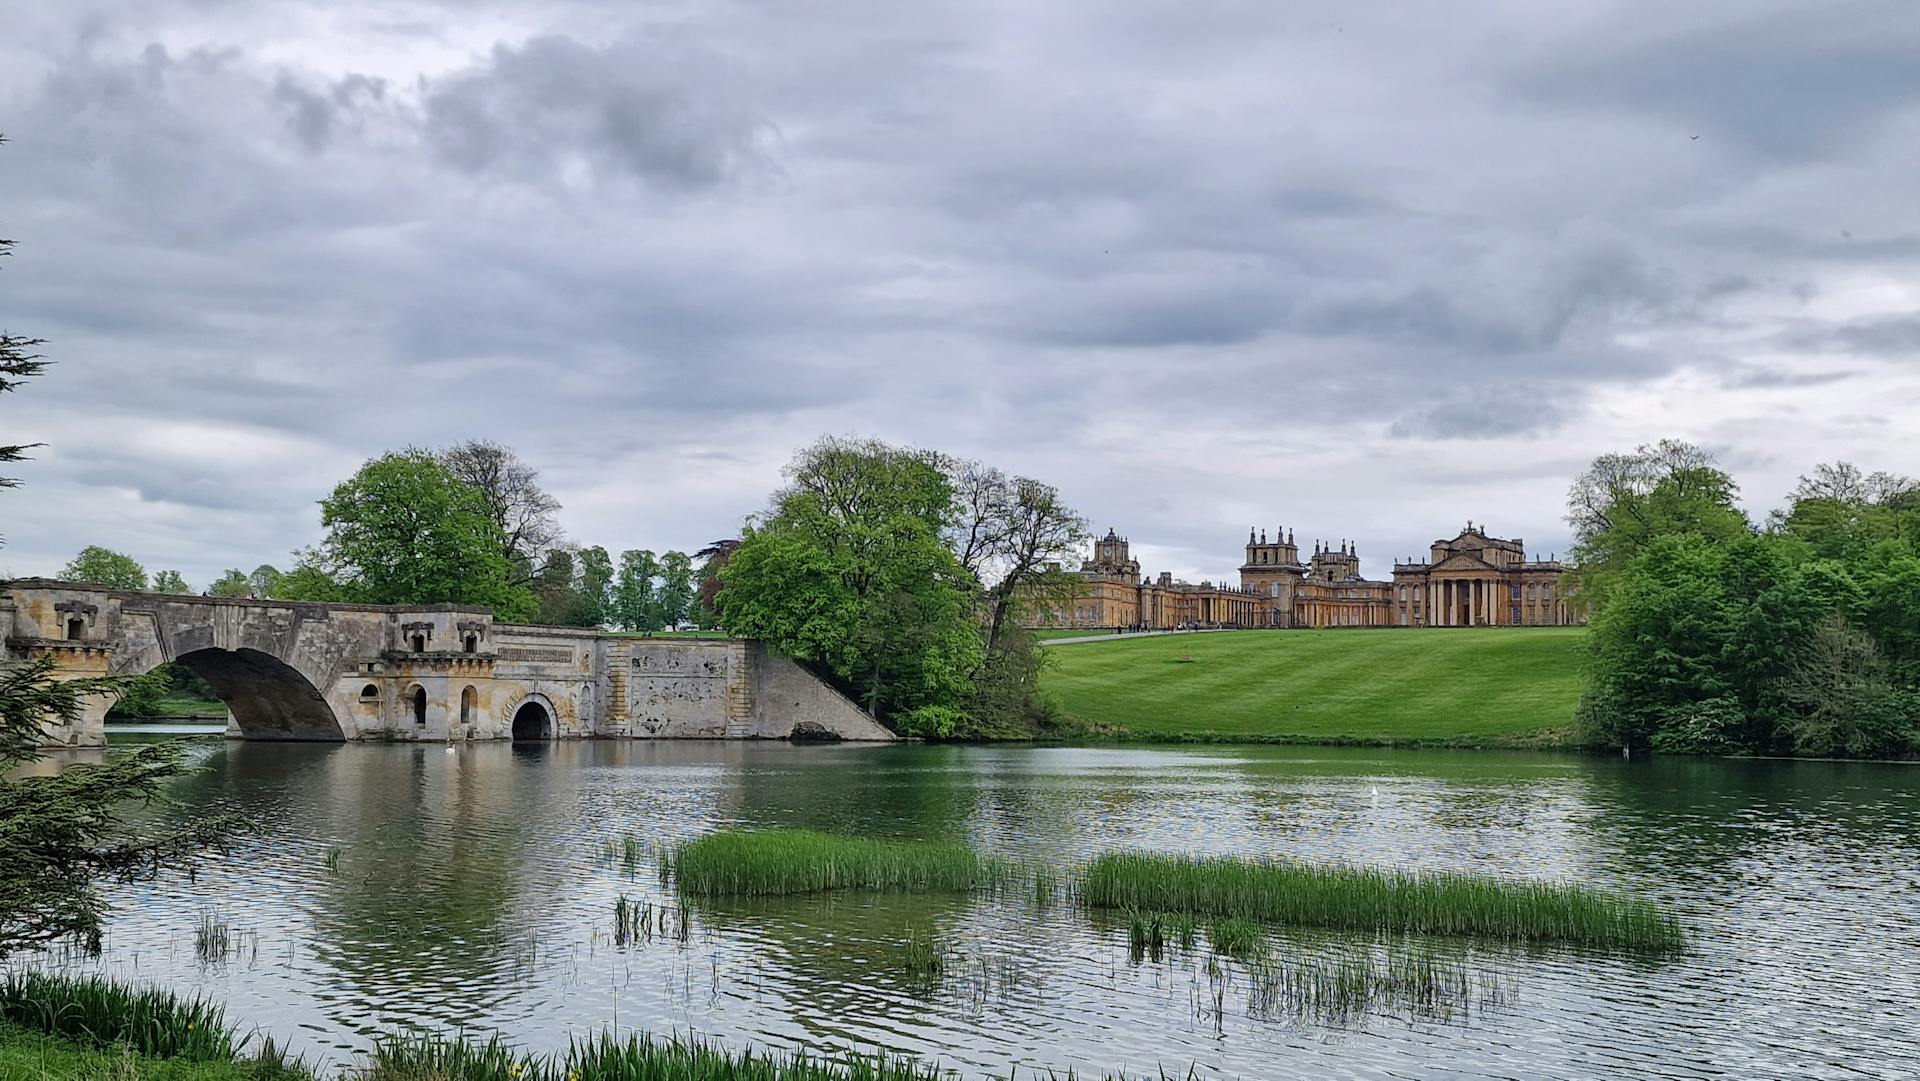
(477, 889)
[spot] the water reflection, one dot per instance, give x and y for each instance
(471, 888)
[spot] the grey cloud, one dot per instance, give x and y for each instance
(1785, 80)
(1487, 412)
(657, 110)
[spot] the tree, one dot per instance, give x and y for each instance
(1842, 698)
(848, 572)
(1625, 502)
(61, 833)
(265, 581)
(1014, 532)
(522, 513)
(105, 567)
(712, 558)
(170, 582)
(554, 588)
(636, 600)
(1843, 482)
(596, 587)
(234, 583)
(404, 530)
(677, 589)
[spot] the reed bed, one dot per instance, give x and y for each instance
(635, 1058)
(1394, 902)
(801, 861)
(98, 1013)
(1337, 990)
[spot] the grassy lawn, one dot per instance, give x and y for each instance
(30, 1056)
(1513, 687)
(1071, 632)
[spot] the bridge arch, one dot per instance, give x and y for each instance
(269, 698)
(532, 719)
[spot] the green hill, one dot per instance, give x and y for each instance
(1506, 687)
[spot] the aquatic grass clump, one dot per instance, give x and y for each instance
(407, 1057)
(640, 921)
(96, 1012)
(923, 955)
(1396, 902)
(635, 1058)
(1340, 989)
(802, 861)
(1236, 937)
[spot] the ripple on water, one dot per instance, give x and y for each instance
(472, 891)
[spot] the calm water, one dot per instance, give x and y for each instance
(471, 889)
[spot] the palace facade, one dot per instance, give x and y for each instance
(1473, 580)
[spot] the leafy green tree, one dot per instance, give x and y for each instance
(636, 597)
(554, 589)
(1625, 502)
(595, 605)
(170, 582)
(105, 567)
(1842, 697)
(233, 583)
(849, 573)
(265, 581)
(307, 582)
(403, 530)
(678, 590)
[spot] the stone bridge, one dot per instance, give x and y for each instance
(292, 670)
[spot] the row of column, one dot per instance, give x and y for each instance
(1446, 599)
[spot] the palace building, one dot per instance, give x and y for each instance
(1473, 580)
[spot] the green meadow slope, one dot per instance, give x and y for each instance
(1508, 687)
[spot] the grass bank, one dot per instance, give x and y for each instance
(53, 1028)
(1391, 902)
(802, 861)
(1467, 687)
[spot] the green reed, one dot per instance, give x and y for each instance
(1350, 898)
(635, 1058)
(93, 1011)
(923, 955)
(802, 861)
(1236, 937)
(333, 860)
(212, 939)
(1337, 989)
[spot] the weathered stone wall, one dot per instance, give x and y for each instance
(440, 672)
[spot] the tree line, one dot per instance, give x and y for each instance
(1713, 633)
(466, 525)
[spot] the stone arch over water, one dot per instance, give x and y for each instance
(533, 720)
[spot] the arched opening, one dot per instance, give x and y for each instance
(531, 722)
(269, 698)
(369, 693)
(469, 702)
(76, 629)
(419, 705)
(473, 643)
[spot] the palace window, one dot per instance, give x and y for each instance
(419, 643)
(473, 643)
(76, 629)
(1516, 615)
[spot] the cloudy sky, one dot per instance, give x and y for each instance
(1367, 270)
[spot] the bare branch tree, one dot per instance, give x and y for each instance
(519, 506)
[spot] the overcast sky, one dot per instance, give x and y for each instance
(1365, 270)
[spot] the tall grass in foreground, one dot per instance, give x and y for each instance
(1340, 989)
(635, 1058)
(95, 1012)
(802, 861)
(1359, 899)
